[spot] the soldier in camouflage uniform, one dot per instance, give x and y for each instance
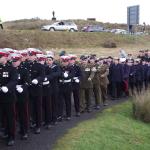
(104, 71)
(96, 82)
(86, 86)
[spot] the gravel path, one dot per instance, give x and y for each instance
(47, 138)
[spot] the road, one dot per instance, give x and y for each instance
(47, 138)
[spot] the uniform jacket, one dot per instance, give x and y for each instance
(66, 80)
(87, 72)
(104, 72)
(144, 71)
(138, 72)
(132, 74)
(24, 81)
(126, 71)
(8, 78)
(96, 78)
(116, 73)
(36, 71)
(52, 74)
(77, 74)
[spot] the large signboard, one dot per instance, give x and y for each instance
(133, 15)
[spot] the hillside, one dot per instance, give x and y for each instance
(25, 33)
(35, 23)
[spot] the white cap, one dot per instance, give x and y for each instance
(122, 59)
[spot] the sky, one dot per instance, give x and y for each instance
(113, 11)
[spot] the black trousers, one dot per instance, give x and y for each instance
(76, 95)
(54, 100)
(1, 25)
(132, 87)
(138, 85)
(36, 110)
(116, 89)
(23, 115)
(47, 109)
(9, 110)
(65, 98)
(146, 84)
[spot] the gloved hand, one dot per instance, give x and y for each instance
(77, 80)
(20, 89)
(89, 79)
(4, 89)
(45, 79)
(94, 69)
(102, 76)
(35, 81)
(46, 83)
(65, 74)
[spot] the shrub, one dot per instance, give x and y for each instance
(141, 107)
(109, 44)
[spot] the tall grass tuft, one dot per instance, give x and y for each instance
(141, 107)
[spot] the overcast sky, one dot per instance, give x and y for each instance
(114, 11)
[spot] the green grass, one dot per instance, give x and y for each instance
(113, 129)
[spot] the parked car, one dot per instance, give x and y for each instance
(61, 26)
(119, 31)
(106, 30)
(93, 28)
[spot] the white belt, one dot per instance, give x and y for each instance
(65, 81)
(75, 78)
(18, 86)
(46, 83)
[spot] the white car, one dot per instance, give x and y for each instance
(119, 31)
(61, 26)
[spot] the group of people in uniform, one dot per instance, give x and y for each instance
(37, 89)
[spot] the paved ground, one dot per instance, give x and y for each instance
(47, 138)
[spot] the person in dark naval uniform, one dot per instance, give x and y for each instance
(65, 87)
(36, 72)
(76, 83)
(8, 81)
(22, 94)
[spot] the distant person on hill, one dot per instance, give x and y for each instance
(122, 53)
(1, 24)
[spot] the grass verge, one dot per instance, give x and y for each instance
(20, 39)
(113, 129)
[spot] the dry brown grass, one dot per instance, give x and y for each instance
(141, 107)
(36, 23)
(80, 43)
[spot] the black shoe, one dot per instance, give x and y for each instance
(10, 143)
(37, 131)
(82, 111)
(24, 137)
(68, 118)
(48, 127)
(105, 104)
(113, 98)
(89, 110)
(4, 136)
(97, 107)
(59, 119)
(33, 125)
(2, 129)
(54, 123)
(77, 114)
